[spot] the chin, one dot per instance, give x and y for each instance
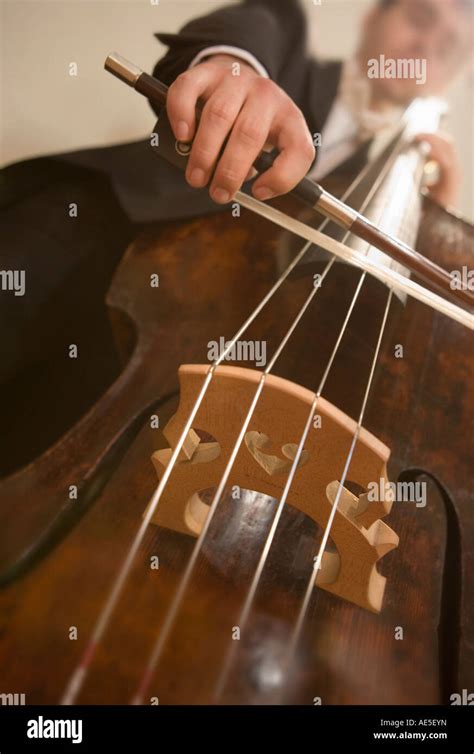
(403, 92)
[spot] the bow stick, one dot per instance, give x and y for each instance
(334, 209)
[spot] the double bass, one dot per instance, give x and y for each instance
(298, 531)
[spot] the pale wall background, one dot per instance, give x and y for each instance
(44, 110)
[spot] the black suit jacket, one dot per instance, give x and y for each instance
(69, 264)
(275, 32)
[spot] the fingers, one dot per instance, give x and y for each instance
(218, 117)
(249, 135)
(182, 99)
(442, 151)
(441, 148)
(296, 154)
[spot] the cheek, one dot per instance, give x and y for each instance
(395, 40)
(410, 46)
(437, 76)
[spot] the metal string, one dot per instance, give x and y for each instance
(318, 559)
(80, 673)
(184, 582)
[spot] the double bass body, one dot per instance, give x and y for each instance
(60, 556)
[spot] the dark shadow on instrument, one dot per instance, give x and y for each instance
(450, 615)
(73, 510)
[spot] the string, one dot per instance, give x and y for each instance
(184, 582)
(81, 671)
(318, 559)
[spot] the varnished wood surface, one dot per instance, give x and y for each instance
(212, 273)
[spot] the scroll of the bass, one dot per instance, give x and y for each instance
(59, 555)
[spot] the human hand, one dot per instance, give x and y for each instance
(253, 112)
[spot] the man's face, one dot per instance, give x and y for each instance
(438, 31)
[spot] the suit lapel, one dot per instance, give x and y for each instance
(324, 78)
(323, 85)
